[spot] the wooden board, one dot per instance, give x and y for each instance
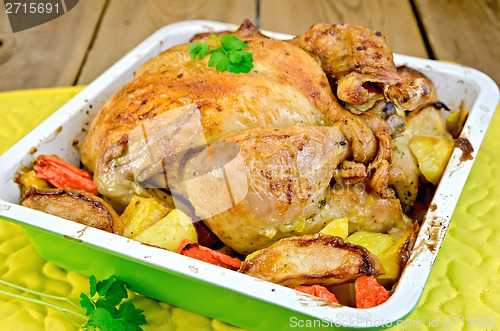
(128, 22)
(464, 31)
(394, 18)
(49, 54)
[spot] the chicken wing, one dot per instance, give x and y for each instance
(362, 63)
(365, 209)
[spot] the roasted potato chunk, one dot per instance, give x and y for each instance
(432, 155)
(395, 257)
(140, 214)
(170, 231)
(456, 121)
(374, 242)
(312, 259)
(30, 179)
(338, 227)
(74, 205)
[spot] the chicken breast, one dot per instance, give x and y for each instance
(312, 259)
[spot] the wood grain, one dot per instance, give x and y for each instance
(394, 18)
(464, 31)
(128, 22)
(49, 54)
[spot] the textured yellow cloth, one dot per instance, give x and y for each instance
(463, 288)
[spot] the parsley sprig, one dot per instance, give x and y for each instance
(105, 309)
(230, 55)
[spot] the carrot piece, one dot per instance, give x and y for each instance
(196, 251)
(318, 291)
(61, 174)
(369, 293)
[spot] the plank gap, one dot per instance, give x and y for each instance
(92, 41)
(423, 32)
(257, 13)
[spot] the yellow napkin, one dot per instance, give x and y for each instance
(463, 288)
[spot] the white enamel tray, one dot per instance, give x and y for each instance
(234, 298)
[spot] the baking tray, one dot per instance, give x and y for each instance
(210, 290)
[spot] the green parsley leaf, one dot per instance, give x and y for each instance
(108, 311)
(93, 285)
(113, 289)
(231, 42)
(86, 304)
(105, 308)
(240, 56)
(129, 313)
(100, 318)
(239, 67)
(215, 58)
(198, 51)
(104, 303)
(223, 64)
(230, 55)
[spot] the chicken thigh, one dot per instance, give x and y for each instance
(278, 184)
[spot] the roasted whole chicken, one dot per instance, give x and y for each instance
(324, 127)
(293, 133)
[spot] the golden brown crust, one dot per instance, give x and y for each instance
(74, 205)
(286, 87)
(343, 48)
(312, 259)
(247, 30)
(278, 179)
(362, 63)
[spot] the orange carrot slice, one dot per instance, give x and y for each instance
(61, 174)
(196, 251)
(318, 291)
(369, 293)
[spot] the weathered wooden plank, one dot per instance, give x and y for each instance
(394, 18)
(464, 31)
(49, 54)
(128, 22)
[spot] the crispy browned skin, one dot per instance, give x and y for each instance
(365, 209)
(408, 73)
(74, 205)
(285, 87)
(356, 55)
(312, 259)
(282, 114)
(345, 48)
(277, 181)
